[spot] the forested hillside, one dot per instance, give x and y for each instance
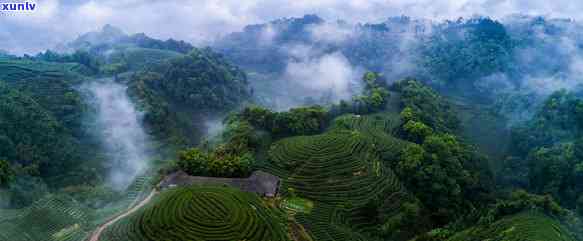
(400, 130)
(512, 93)
(46, 136)
(178, 94)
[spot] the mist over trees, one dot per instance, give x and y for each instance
(473, 56)
(405, 129)
(46, 104)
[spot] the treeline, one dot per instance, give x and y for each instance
(242, 139)
(312, 120)
(110, 51)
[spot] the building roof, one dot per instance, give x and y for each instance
(259, 182)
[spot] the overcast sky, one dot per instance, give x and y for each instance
(197, 21)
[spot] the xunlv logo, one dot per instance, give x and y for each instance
(26, 6)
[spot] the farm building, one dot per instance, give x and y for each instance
(262, 183)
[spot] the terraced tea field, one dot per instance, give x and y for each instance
(59, 218)
(138, 58)
(341, 171)
(333, 168)
(200, 213)
(527, 226)
(378, 128)
(135, 193)
(53, 218)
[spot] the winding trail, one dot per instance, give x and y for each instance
(97, 233)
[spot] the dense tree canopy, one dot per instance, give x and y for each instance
(375, 94)
(218, 163)
(546, 150)
(178, 90)
(465, 51)
(29, 133)
(437, 170)
(296, 121)
(423, 104)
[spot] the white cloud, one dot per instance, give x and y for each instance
(201, 20)
(330, 75)
(268, 34)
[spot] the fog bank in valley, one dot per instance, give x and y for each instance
(118, 125)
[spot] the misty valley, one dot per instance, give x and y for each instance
(298, 129)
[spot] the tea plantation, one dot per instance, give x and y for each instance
(60, 218)
(341, 171)
(200, 213)
(52, 218)
(526, 226)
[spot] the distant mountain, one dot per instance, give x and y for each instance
(109, 37)
(269, 46)
(476, 55)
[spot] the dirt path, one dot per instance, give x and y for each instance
(95, 236)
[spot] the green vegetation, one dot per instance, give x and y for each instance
(53, 165)
(365, 175)
(200, 213)
(465, 51)
(234, 156)
(375, 92)
(110, 37)
(40, 108)
(340, 171)
(124, 58)
(423, 104)
(296, 204)
(296, 121)
(440, 172)
(61, 217)
(520, 201)
(374, 98)
(6, 173)
(523, 226)
(379, 129)
(177, 91)
(313, 119)
(558, 119)
(88, 64)
(217, 164)
(396, 162)
(56, 217)
(43, 131)
(547, 150)
(330, 156)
